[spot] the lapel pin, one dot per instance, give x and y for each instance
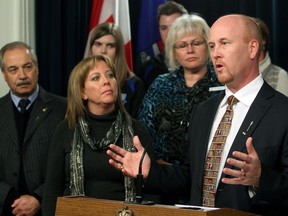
(251, 123)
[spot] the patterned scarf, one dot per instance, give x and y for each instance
(121, 126)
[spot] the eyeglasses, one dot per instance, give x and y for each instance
(184, 45)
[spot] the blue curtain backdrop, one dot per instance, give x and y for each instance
(62, 28)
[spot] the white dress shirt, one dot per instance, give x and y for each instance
(245, 96)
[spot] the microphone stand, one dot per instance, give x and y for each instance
(139, 179)
(140, 184)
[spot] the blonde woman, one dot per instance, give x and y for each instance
(95, 117)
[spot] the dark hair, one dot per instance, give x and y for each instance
(264, 32)
(169, 8)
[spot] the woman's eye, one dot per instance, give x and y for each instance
(97, 44)
(111, 45)
(110, 75)
(95, 78)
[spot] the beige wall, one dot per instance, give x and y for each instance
(17, 23)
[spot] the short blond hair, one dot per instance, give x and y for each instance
(185, 24)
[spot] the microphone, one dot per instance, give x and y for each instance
(165, 125)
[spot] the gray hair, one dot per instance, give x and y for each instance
(13, 45)
(186, 24)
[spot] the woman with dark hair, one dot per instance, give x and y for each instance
(107, 39)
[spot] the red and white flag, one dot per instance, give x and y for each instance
(115, 11)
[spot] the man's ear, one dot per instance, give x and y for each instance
(253, 49)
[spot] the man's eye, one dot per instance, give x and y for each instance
(211, 46)
(27, 67)
(224, 43)
(12, 70)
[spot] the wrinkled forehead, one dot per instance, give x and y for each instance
(17, 56)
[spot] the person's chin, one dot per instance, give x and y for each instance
(109, 102)
(24, 92)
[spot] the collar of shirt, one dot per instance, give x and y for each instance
(247, 94)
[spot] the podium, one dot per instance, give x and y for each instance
(85, 206)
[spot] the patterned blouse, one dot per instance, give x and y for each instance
(166, 110)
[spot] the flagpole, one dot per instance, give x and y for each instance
(117, 13)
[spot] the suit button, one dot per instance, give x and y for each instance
(15, 174)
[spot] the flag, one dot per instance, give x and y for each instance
(115, 11)
(149, 41)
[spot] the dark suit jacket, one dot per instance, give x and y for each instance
(47, 111)
(269, 113)
(152, 68)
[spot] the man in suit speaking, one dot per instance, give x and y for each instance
(28, 117)
(252, 170)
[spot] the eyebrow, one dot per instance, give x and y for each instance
(220, 40)
(195, 39)
(104, 42)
